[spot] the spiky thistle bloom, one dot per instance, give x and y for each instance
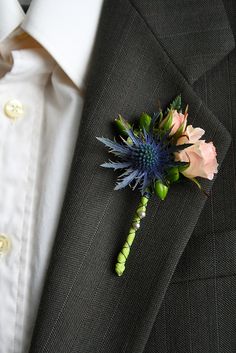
(146, 156)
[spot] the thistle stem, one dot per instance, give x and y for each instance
(124, 253)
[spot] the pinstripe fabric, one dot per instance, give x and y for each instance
(156, 306)
(198, 314)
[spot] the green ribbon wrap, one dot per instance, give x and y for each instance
(125, 251)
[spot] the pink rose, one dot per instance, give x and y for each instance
(201, 155)
(191, 135)
(177, 120)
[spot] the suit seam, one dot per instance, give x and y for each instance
(215, 275)
(207, 278)
(197, 32)
(230, 114)
(189, 303)
(165, 325)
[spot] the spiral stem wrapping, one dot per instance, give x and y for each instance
(124, 253)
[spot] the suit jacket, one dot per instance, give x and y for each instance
(179, 291)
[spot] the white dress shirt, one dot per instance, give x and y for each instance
(44, 57)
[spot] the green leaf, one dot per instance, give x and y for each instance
(183, 166)
(196, 182)
(182, 147)
(199, 186)
(176, 104)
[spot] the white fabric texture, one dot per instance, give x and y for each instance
(36, 149)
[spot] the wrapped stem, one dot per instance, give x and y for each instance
(124, 253)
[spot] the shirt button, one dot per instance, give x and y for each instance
(13, 109)
(5, 244)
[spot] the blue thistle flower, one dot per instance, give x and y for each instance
(144, 156)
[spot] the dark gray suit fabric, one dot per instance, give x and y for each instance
(85, 308)
(198, 313)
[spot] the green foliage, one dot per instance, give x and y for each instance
(176, 104)
(183, 166)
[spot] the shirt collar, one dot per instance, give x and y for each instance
(65, 29)
(11, 16)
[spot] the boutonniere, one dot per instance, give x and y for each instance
(158, 151)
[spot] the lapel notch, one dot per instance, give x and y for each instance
(196, 35)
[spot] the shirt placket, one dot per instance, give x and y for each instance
(20, 124)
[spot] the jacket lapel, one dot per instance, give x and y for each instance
(85, 307)
(196, 35)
